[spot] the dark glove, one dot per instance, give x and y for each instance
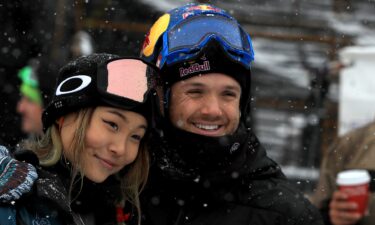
(16, 177)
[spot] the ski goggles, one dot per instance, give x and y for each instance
(120, 83)
(123, 82)
(187, 38)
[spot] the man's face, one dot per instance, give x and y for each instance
(31, 113)
(207, 105)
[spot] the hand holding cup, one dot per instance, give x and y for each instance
(355, 184)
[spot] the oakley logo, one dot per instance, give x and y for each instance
(84, 79)
(194, 68)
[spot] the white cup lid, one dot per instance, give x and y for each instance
(353, 177)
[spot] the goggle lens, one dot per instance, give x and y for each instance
(125, 78)
(192, 32)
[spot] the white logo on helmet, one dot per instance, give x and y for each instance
(86, 80)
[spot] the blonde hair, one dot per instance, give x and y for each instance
(49, 151)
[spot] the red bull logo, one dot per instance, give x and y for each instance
(192, 10)
(196, 67)
(159, 27)
(203, 8)
(146, 42)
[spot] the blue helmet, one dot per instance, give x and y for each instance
(196, 39)
(181, 33)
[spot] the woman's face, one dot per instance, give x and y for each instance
(112, 140)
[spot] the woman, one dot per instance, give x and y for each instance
(92, 158)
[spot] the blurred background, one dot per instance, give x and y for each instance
(312, 77)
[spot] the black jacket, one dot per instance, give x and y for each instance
(245, 188)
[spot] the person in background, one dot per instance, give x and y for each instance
(92, 157)
(37, 79)
(208, 166)
(32, 99)
(355, 150)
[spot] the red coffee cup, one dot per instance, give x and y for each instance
(355, 183)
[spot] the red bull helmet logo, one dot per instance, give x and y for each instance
(198, 9)
(156, 31)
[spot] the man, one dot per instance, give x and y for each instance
(37, 80)
(209, 167)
